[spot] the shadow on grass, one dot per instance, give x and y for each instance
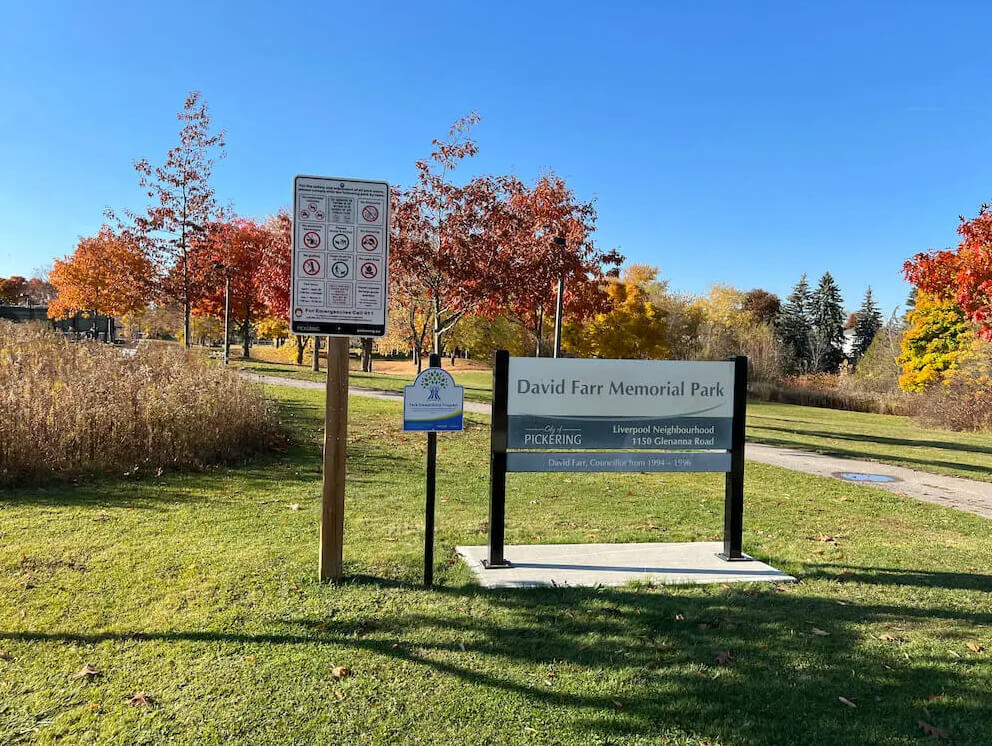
(980, 472)
(649, 658)
(882, 440)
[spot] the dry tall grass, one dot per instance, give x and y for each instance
(75, 408)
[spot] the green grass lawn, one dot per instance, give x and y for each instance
(199, 590)
(876, 437)
(478, 384)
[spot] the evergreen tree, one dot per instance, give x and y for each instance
(867, 322)
(794, 327)
(827, 339)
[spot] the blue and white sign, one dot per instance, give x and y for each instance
(433, 403)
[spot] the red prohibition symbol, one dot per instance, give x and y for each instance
(311, 239)
(311, 267)
(370, 242)
(369, 270)
(370, 213)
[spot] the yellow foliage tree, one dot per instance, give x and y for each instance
(938, 341)
(633, 328)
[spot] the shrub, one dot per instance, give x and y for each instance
(79, 408)
(824, 390)
(960, 405)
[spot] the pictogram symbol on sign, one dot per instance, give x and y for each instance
(370, 242)
(370, 213)
(311, 239)
(311, 267)
(369, 270)
(339, 269)
(340, 241)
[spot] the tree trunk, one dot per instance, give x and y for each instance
(301, 343)
(419, 359)
(246, 338)
(316, 354)
(366, 354)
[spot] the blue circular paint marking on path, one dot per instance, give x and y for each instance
(852, 476)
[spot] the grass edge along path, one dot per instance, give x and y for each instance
(197, 592)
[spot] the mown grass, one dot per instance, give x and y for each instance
(888, 439)
(198, 590)
(478, 384)
(876, 437)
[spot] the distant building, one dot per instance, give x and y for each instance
(78, 325)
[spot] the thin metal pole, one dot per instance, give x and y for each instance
(435, 362)
(558, 315)
(227, 319)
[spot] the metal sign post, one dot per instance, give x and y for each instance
(680, 416)
(339, 282)
(432, 404)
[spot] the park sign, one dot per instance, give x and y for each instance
(340, 257)
(644, 404)
(571, 415)
(433, 403)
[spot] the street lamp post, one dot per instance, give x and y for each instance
(560, 303)
(227, 310)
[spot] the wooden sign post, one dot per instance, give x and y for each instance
(338, 289)
(335, 460)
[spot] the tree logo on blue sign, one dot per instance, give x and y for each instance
(434, 381)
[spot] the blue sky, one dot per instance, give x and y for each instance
(743, 143)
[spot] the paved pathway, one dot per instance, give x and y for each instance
(964, 494)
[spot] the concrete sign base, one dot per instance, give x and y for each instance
(588, 565)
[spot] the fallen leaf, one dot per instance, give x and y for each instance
(340, 672)
(294, 506)
(723, 657)
(820, 632)
(725, 586)
(782, 588)
(955, 653)
(249, 659)
(339, 694)
(975, 647)
(932, 697)
(846, 701)
(889, 638)
(933, 730)
(86, 672)
(704, 625)
(93, 706)
(679, 618)
(618, 704)
(139, 699)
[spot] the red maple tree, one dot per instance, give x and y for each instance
(963, 274)
(237, 249)
(449, 241)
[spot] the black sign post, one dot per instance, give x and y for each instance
(729, 461)
(733, 500)
(435, 362)
(497, 461)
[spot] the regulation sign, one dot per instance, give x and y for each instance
(340, 257)
(433, 402)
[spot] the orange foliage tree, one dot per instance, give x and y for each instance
(183, 206)
(108, 273)
(237, 249)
